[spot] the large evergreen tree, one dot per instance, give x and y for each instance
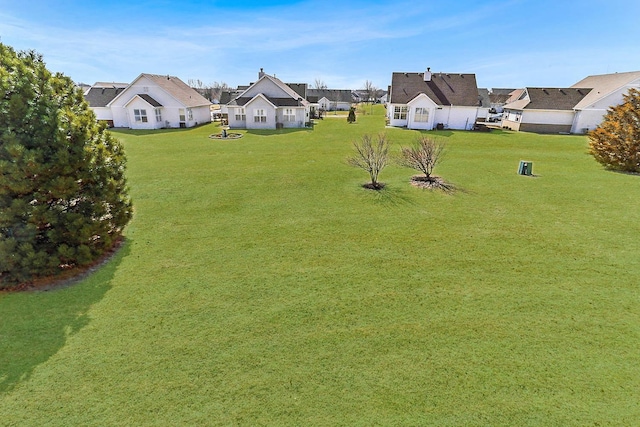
(63, 194)
(615, 143)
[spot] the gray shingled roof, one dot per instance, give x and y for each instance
(294, 100)
(443, 88)
(339, 95)
(278, 102)
(101, 96)
(150, 100)
(549, 99)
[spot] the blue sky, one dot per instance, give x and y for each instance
(510, 43)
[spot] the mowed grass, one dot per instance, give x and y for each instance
(261, 285)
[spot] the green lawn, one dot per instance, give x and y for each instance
(261, 285)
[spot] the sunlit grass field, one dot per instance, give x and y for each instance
(260, 284)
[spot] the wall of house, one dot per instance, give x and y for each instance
(233, 123)
(538, 121)
(460, 118)
(122, 109)
(586, 120)
(413, 124)
(421, 101)
(201, 115)
(141, 105)
(267, 88)
(589, 118)
(511, 124)
(270, 112)
(396, 122)
(103, 113)
(300, 120)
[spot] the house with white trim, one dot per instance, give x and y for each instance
(268, 104)
(155, 101)
(607, 91)
(433, 101)
(99, 96)
(330, 99)
(543, 110)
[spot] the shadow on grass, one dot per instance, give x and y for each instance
(274, 132)
(390, 196)
(145, 132)
(34, 325)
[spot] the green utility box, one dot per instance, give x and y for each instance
(525, 168)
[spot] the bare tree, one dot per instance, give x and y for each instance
(217, 89)
(372, 157)
(319, 84)
(370, 91)
(201, 88)
(422, 156)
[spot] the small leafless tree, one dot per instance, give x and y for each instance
(422, 156)
(320, 84)
(370, 90)
(371, 156)
(217, 89)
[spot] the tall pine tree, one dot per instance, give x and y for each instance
(63, 194)
(615, 143)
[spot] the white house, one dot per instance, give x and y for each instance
(154, 101)
(608, 91)
(330, 99)
(99, 96)
(433, 101)
(543, 110)
(268, 104)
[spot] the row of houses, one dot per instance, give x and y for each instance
(453, 101)
(415, 100)
(154, 101)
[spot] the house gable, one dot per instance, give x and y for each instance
(605, 85)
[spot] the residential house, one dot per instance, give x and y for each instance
(607, 91)
(154, 101)
(99, 96)
(330, 99)
(433, 101)
(543, 110)
(268, 104)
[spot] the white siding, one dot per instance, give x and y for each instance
(251, 109)
(554, 117)
(300, 117)
(122, 108)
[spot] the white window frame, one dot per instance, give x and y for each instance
(421, 115)
(158, 115)
(181, 113)
(400, 112)
(289, 115)
(241, 115)
(190, 114)
(140, 115)
(259, 116)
